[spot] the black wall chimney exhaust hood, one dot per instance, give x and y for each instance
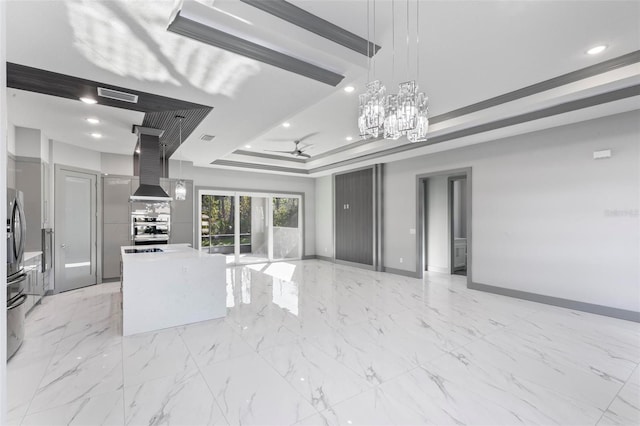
(150, 189)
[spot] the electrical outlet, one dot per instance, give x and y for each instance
(401, 260)
(326, 249)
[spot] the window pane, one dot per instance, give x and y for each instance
(285, 212)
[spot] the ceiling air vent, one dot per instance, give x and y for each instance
(207, 138)
(117, 95)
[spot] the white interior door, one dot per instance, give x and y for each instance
(76, 229)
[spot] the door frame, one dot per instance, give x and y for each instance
(58, 169)
(236, 194)
(421, 215)
(450, 181)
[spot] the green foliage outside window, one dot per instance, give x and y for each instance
(285, 212)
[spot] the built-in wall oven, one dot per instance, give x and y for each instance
(16, 277)
(150, 222)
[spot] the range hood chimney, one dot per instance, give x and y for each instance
(150, 189)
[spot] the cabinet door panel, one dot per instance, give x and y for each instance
(115, 236)
(115, 196)
(354, 224)
(181, 233)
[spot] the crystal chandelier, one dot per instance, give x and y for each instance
(371, 114)
(181, 189)
(395, 115)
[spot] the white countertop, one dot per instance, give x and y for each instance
(28, 255)
(169, 252)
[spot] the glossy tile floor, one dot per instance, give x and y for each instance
(312, 343)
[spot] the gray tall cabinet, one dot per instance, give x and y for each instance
(356, 199)
(116, 191)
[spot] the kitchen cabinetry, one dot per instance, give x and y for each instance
(116, 191)
(34, 285)
(182, 215)
(354, 216)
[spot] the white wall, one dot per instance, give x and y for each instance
(75, 156)
(116, 164)
(27, 142)
(324, 216)
(264, 182)
(546, 217)
(11, 139)
(437, 229)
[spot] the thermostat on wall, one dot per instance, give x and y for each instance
(605, 153)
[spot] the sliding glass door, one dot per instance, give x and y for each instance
(250, 227)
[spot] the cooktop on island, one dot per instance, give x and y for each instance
(144, 250)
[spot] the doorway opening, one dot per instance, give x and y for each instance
(444, 223)
(250, 227)
(458, 228)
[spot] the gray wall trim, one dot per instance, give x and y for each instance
(309, 257)
(494, 125)
(556, 301)
(231, 163)
(580, 74)
(402, 272)
(379, 216)
(355, 265)
(24, 159)
(214, 37)
(269, 156)
(325, 258)
(303, 19)
(590, 71)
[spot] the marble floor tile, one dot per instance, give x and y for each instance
(173, 400)
(214, 341)
(360, 348)
(312, 342)
(79, 374)
(25, 372)
(532, 402)
(562, 379)
(250, 392)
(153, 355)
(319, 378)
(625, 408)
(104, 409)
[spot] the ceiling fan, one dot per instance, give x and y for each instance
(297, 150)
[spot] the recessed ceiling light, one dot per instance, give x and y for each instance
(93, 120)
(286, 124)
(349, 89)
(349, 138)
(248, 146)
(597, 49)
(96, 135)
(88, 100)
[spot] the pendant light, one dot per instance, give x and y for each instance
(371, 111)
(181, 188)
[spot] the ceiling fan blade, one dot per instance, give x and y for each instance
(306, 137)
(302, 154)
(284, 152)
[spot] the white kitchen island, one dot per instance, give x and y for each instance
(177, 286)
